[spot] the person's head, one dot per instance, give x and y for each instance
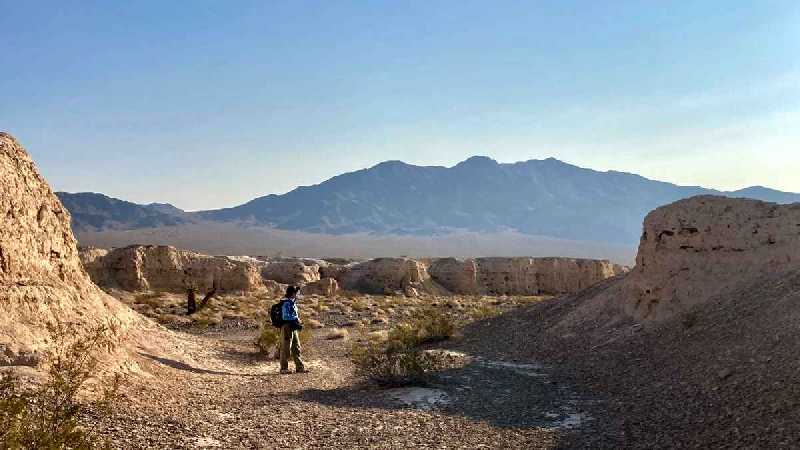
(291, 291)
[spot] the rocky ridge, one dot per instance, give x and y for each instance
(143, 268)
(697, 249)
(41, 277)
(695, 347)
(150, 267)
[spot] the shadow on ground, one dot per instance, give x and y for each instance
(184, 366)
(506, 395)
(244, 357)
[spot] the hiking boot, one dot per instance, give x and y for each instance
(285, 372)
(301, 370)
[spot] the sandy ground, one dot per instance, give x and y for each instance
(231, 396)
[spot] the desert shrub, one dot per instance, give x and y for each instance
(393, 359)
(402, 336)
(484, 311)
(337, 333)
(47, 415)
(391, 366)
(359, 305)
(434, 326)
(269, 338)
(152, 299)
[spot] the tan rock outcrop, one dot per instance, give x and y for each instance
(520, 276)
(92, 260)
(387, 276)
(535, 276)
(332, 270)
(696, 249)
(326, 287)
(291, 272)
(459, 276)
(149, 267)
(41, 277)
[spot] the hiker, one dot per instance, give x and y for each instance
(290, 338)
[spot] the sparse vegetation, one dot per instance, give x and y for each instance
(337, 333)
(151, 299)
(268, 339)
(484, 311)
(435, 325)
(359, 305)
(48, 415)
(390, 365)
(396, 360)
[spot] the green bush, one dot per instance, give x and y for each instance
(435, 326)
(47, 416)
(392, 366)
(269, 338)
(398, 361)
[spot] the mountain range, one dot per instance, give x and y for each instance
(547, 198)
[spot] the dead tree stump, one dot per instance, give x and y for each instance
(191, 302)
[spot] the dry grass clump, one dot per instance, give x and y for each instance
(484, 311)
(378, 336)
(315, 324)
(395, 359)
(435, 325)
(337, 333)
(152, 299)
(269, 338)
(47, 416)
(359, 305)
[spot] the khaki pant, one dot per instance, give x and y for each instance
(290, 341)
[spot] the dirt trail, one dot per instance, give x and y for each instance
(232, 397)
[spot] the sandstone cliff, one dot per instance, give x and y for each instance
(480, 276)
(41, 277)
(696, 345)
(149, 267)
(696, 249)
(326, 287)
(520, 276)
(291, 271)
(386, 276)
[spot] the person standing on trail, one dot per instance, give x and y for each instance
(290, 338)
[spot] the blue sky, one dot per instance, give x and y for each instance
(211, 103)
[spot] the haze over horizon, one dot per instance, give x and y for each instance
(209, 105)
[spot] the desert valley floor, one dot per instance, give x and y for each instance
(237, 399)
(224, 392)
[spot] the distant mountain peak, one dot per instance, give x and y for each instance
(391, 164)
(93, 211)
(543, 197)
(477, 162)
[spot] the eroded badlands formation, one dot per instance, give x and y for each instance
(700, 248)
(41, 277)
(143, 268)
(696, 346)
(149, 267)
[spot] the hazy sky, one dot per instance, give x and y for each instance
(211, 103)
